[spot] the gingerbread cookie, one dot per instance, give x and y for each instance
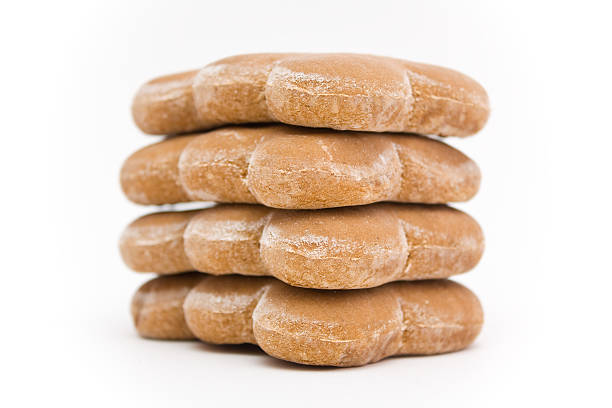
(338, 91)
(340, 248)
(333, 328)
(299, 168)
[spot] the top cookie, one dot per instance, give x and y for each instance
(338, 91)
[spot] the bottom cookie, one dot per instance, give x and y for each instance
(308, 326)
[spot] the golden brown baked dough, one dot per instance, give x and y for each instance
(150, 176)
(157, 307)
(340, 248)
(338, 91)
(154, 243)
(298, 168)
(335, 328)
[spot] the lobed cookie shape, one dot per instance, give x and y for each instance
(340, 248)
(157, 307)
(298, 168)
(333, 328)
(338, 91)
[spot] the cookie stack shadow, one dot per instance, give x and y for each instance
(331, 241)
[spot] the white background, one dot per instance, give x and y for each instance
(68, 73)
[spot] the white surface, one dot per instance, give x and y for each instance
(68, 74)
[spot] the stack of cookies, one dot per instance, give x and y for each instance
(331, 242)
